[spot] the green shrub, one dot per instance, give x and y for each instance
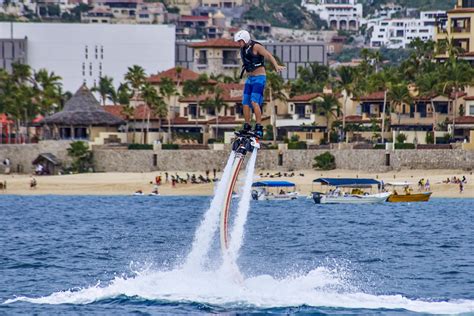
(295, 138)
(325, 161)
(81, 155)
(170, 146)
(429, 138)
(404, 146)
(268, 132)
(297, 145)
(401, 138)
(379, 146)
(140, 147)
(333, 137)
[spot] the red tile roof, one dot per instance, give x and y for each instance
(459, 95)
(462, 10)
(359, 119)
(232, 92)
(469, 98)
(216, 43)
(465, 120)
(305, 97)
(310, 96)
(375, 96)
(185, 74)
(139, 113)
(193, 18)
(225, 120)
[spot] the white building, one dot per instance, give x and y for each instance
(339, 14)
(398, 33)
(84, 52)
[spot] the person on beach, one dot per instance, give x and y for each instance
(461, 187)
(253, 56)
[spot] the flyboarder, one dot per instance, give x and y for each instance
(253, 56)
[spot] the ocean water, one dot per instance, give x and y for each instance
(126, 255)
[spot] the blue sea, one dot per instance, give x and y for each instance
(95, 255)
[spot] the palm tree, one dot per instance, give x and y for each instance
(150, 96)
(23, 95)
(428, 85)
(167, 90)
(47, 90)
(215, 102)
(456, 74)
(346, 83)
(399, 95)
(329, 107)
(135, 77)
(105, 88)
(274, 91)
(310, 79)
(196, 88)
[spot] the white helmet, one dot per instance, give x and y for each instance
(242, 35)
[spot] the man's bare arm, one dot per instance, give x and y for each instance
(265, 53)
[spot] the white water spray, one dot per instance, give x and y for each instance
(208, 227)
(237, 235)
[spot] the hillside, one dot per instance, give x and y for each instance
(289, 13)
(371, 5)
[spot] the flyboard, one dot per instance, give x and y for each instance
(244, 143)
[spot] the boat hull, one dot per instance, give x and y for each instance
(417, 197)
(351, 199)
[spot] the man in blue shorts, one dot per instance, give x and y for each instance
(253, 56)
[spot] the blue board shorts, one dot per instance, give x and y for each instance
(253, 90)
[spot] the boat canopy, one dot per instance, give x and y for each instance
(348, 182)
(273, 184)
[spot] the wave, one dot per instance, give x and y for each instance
(319, 288)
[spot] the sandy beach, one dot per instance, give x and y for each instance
(127, 183)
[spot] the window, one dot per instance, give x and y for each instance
(471, 110)
(468, 3)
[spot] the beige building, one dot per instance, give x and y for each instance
(217, 56)
(458, 25)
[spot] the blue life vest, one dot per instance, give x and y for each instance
(249, 59)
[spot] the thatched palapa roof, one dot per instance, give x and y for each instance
(83, 109)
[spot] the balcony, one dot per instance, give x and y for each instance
(457, 29)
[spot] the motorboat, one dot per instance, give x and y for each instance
(406, 194)
(349, 191)
(274, 190)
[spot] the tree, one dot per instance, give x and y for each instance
(47, 88)
(310, 79)
(167, 90)
(135, 77)
(216, 102)
(196, 88)
(329, 107)
(345, 83)
(274, 91)
(151, 99)
(398, 96)
(456, 74)
(428, 85)
(81, 155)
(105, 89)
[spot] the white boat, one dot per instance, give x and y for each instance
(274, 190)
(349, 191)
(348, 198)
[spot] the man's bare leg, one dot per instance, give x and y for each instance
(258, 113)
(247, 113)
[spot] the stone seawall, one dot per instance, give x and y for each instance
(115, 160)
(363, 160)
(21, 156)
